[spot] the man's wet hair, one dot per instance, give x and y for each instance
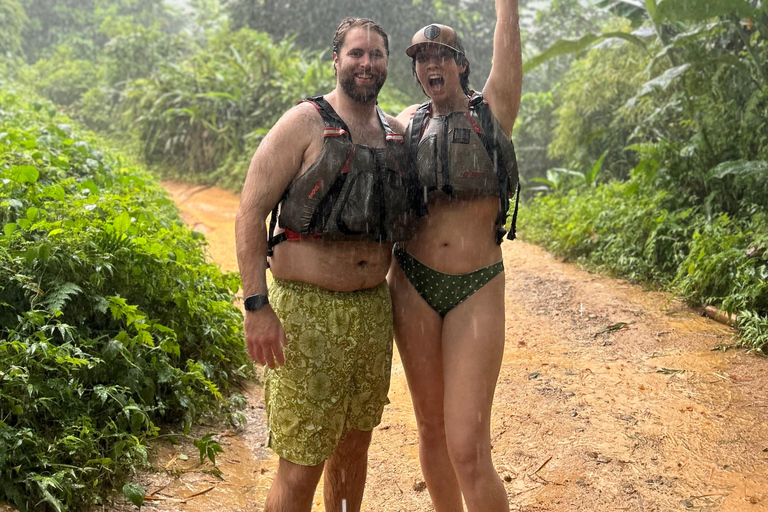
(349, 23)
(460, 59)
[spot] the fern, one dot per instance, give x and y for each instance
(55, 299)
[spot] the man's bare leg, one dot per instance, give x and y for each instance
(293, 487)
(345, 473)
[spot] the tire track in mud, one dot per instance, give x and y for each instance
(644, 417)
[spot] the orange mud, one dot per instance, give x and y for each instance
(644, 418)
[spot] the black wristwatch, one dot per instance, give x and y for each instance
(255, 302)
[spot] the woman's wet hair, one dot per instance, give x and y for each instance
(460, 58)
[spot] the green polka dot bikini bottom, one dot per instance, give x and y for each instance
(442, 291)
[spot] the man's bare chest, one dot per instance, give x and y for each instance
(367, 136)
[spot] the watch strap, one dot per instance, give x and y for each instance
(255, 302)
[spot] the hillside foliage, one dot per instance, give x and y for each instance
(111, 319)
(660, 142)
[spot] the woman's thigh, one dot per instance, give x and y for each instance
(473, 347)
(418, 329)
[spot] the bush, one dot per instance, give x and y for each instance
(589, 113)
(192, 117)
(615, 228)
(111, 320)
(62, 78)
(727, 265)
(633, 230)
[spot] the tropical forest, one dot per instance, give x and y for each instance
(642, 146)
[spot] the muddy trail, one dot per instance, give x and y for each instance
(610, 398)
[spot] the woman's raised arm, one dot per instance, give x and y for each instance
(505, 83)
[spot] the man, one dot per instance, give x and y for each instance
(335, 166)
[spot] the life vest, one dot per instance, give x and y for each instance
(351, 192)
(465, 154)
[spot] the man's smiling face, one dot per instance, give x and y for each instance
(361, 65)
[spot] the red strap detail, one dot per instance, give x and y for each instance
(311, 103)
(474, 124)
(292, 236)
(348, 164)
(331, 131)
(397, 137)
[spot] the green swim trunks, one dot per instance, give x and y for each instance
(337, 367)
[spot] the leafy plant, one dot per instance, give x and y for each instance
(754, 330)
(111, 320)
(631, 230)
(62, 78)
(208, 448)
(134, 493)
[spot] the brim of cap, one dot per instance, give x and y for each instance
(411, 50)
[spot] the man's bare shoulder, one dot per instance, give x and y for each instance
(303, 115)
(395, 124)
(280, 155)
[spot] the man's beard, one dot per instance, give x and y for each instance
(358, 93)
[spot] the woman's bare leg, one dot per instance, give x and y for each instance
(473, 347)
(417, 332)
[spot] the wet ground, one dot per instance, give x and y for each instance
(610, 398)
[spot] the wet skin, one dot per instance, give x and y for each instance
(452, 362)
(343, 266)
(290, 148)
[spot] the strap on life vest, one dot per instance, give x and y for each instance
(418, 125)
(272, 240)
(490, 142)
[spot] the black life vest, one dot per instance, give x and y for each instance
(351, 192)
(465, 154)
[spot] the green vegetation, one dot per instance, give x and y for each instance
(313, 22)
(110, 318)
(12, 19)
(85, 26)
(643, 130)
(676, 121)
(201, 118)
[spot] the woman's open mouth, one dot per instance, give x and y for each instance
(436, 81)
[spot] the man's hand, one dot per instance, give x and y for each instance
(264, 337)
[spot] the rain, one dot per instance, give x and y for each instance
(388, 256)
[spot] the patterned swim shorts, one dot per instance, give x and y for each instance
(337, 367)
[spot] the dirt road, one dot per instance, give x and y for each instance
(640, 416)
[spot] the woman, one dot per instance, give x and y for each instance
(448, 281)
